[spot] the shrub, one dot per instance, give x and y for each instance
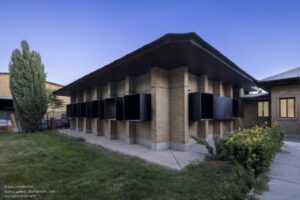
(277, 135)
(254, 148)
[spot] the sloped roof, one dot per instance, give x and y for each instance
(170, 51)
(285, 78)
(293, 73)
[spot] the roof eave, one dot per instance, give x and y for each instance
(268, 84)
(166, 39)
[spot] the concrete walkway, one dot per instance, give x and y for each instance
(171, 159)
(285, 174)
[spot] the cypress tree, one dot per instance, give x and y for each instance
(28, 87)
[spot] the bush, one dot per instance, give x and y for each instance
(254, 148)
(277, 135)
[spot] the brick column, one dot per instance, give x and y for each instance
(241, 92)
(79, 120)
(179, 129)
(238, 122)
(100, 130)
(73, 121)
(160, 109)
(111, 89)
(130, 127)
(110, 126)
(85, 120)
(94, 121)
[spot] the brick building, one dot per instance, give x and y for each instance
(280, 104)
(161, 94)
(174, 88)
(7, 116)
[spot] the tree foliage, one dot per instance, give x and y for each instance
(54, 102)
(28, 87)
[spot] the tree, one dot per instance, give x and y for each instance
(53, 103)
(28, 87)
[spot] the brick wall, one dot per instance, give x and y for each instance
(169, 127)
(250, 115)
(290, 126)
(5, 92)
(4, 85)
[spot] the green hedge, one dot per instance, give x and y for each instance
(254, 148)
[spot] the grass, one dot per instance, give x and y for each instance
(75, 170)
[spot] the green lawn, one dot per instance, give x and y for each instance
(75, 170)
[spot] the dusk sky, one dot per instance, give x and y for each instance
(75, 38)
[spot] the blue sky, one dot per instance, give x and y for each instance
(77, 37)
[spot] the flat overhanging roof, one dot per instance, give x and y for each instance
(168, 52)
(5, 97)
(256, 97)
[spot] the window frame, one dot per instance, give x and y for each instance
(286, 107)
(263, 106)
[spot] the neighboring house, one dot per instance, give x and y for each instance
(7, 116)
(252, 115)
(281, 104)
(174, 88)
(57, 114)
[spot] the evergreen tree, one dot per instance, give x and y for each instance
(28, 87)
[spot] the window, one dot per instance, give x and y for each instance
(263, 109)
(287, 107)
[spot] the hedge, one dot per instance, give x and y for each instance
(254, 148)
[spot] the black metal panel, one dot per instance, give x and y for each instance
(74, 110)
(101, 109)
(69, 110)
(207, 106)
(110, 108)
(89, 109)
(79, 110)
(113, 108)
(195, 106)
(82, 109)
(119, 108)
(132, 107)
(137, 107)
(200, 106)
(145, 107)
(237, 108)
(94, 109)
(222, 108)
